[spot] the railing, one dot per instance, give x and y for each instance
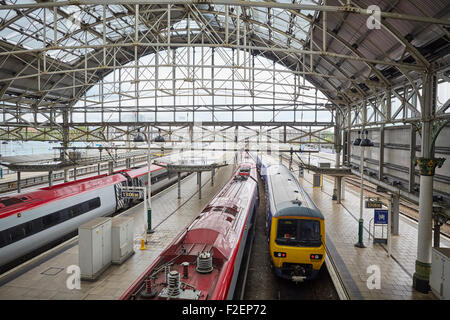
(37, 180)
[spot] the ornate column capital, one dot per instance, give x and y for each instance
(428, 166)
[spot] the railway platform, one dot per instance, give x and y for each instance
(356, 267)
(45, 277)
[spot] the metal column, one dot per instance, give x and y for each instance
(149, 182)
(427, 164)
(381, 154)
(179, 185)
(338, 189)
(412, 156)
(199, 182)
(395, 210)
(290, 159)
(50, 178)
(337, 149)
(349, 143)
(360, 243)
(18, 181)
(342, 188)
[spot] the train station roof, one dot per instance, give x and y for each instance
(70, 45)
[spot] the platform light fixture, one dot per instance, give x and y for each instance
(366, 142)
(363, 143)
(357, 142)
(159, 138)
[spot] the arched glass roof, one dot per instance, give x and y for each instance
(194, 89)
(53, 55)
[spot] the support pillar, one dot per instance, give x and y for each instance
(381, 154)
(395, 225)
(18, 181)
(423, 263)
(360, 243)
(74, 173)
(191, 134)
(128, 163)
(439, 220)
(110, 167)
(290, 159)
(65, 142)
(212, 176)
(50, 178)
(338, 189)
(427, 164)
(342, 188)
(337, 150)
(337, 179)
(179, 185)
(149, 182)
(349, 136)
(99, 168)
(199, 182)
(437, 234)
(412, 156)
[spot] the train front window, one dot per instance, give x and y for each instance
(298, 232)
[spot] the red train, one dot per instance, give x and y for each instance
(203, 261)
(31, 220)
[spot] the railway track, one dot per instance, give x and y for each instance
(261, 282)
(406, 208)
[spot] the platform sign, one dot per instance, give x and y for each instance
(317, 180)
(381, 217)
(130, 194)
(374, 204)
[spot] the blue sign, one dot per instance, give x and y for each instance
(381, 216)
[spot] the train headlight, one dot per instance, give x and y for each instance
(315, 256)
(279, 254)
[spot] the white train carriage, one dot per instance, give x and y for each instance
(32, 220)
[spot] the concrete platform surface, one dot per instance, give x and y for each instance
(357, 267)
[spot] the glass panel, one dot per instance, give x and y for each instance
(298, 232)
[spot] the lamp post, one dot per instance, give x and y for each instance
(139, 138)
(363, 143)
(149, 184)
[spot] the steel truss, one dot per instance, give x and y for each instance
(75, 83)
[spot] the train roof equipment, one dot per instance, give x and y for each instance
(289, 197)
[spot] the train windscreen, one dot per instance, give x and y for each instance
(298, 232)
